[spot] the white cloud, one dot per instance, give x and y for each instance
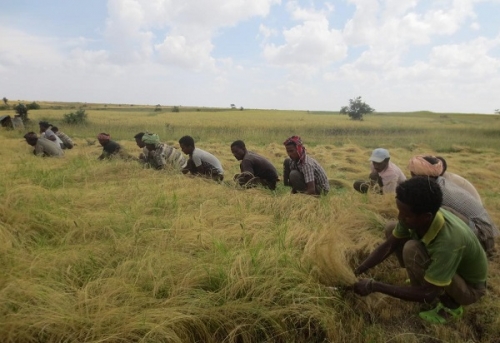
(309, 45)
(179, 51)
(21, 49)
(185, 27)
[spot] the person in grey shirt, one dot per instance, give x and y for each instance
(43, 146)
(458, 201)
(200, 162)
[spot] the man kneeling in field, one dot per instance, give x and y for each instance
(161, 155)
(442, 256)
(200, 162)
(255, 169)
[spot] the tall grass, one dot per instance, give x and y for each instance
(105, 251)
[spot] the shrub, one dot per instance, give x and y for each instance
(78, 117)
(175, 109)
(33, 106)
(22, 111)
(158, 108)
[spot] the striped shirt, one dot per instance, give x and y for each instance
(165, 154)
(312, 171)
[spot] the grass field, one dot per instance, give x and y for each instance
(106, 251)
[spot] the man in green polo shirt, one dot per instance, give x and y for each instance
(442, 256)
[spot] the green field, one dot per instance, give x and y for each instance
(106, 251)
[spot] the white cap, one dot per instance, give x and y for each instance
(379, 155)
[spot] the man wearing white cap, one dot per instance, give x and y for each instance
(384, 174)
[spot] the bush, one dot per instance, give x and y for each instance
(33, 106)
(158, 108)
(74, 118)
(22, 112)
(175, 109)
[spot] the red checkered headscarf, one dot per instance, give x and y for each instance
(104, 136)
(301, 150)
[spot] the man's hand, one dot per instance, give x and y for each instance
(363, 287)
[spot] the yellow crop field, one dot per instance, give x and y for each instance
(107, 251)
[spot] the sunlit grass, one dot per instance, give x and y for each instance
(110, 252)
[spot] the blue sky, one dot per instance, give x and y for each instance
(440, 55)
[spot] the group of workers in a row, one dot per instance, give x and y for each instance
(443, 236)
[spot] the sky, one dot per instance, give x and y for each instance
(398, 55)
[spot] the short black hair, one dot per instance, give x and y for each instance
(44, 123)
(30, 135)
(55, 129)
(239, 143)
(187, 141)
(443, 162)
(421, 193)
(139, 135)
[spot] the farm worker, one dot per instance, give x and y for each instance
(443, 258)
(302, 172)
(162, 155)
(67, 141)
(200, 162)
(109, 148)
(458, 200)
(49, 134)
(255, 169)
(43, 146)
(459, 181)
(385, 176)
(143, 156)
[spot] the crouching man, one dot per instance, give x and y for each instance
(442, 256)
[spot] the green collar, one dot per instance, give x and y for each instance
(436, 226)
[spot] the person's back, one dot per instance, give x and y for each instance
(165, 155)
(66, 140)
(46, 147)
(463, 202)
(463, 183)
(207, 160)
(259, 166)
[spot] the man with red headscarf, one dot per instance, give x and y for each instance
(304, 174)
(109, 147)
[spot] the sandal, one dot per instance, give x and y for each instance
(441, 314)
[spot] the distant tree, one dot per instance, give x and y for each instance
(497, 111)
(22, 112)
(5, 100)
(233, 106)
(158, 108)
(241, 108)
(175, 109)
(356, 109)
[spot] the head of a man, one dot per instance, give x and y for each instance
(425, 166)
(238, 149)
(31, 138)
(380, 159)
(295, 148)
(443, 162)
(55, 129)
(418, 199)
(187, 144)
(44, 126)
(103, 138)
(138, 140)
(151, 140)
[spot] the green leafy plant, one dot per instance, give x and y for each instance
(76, 118)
